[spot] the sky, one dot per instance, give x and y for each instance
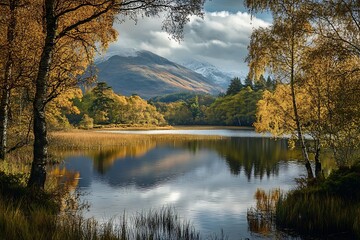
(220, 38)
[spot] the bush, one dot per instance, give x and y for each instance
(86, 122)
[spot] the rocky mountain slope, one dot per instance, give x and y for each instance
(148, 75)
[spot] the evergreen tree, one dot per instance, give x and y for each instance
(234, 87)
(102, 104)
(260, 84)
(270, 84)
(194, 108)
(248, 82)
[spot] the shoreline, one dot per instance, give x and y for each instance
(170, 127)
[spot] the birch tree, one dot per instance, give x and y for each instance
(279, 48)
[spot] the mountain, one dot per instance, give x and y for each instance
(148, 75)
(209, 71)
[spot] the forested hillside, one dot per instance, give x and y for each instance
(100, 106)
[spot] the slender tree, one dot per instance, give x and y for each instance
(279, 48)
(16, 58)
(6, 76)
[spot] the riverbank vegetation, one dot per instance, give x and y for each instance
(330, 208)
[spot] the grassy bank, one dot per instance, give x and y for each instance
(327, 209)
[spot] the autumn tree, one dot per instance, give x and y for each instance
(336, 53)
(325, 72)
(337, 22)
(6, 62)
(59, 108)
(332, 78)
(17, 46)
(279, 48)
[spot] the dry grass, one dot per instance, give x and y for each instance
(82, 139)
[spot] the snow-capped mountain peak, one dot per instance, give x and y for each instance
(209, 71)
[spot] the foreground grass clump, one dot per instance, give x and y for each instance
(26, 214)
(41, 225)
(330, 207)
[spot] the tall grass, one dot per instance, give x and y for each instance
(318, 214)
(39, 224)
(331, 207)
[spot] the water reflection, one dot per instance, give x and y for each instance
(256, 156)
(261, 218)
(104, 159)
(146, 164)
(210, 182)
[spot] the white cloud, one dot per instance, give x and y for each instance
(220, 38)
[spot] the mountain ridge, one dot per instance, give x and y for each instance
(148, 75)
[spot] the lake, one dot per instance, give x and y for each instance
(209, 182)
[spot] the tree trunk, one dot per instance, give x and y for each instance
(4, 112)
(296, 115)
(38, 171)
(318, 169)
(5, 88)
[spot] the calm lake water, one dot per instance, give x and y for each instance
(209, 182)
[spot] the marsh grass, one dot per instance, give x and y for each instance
(41, 224)
(83, 140)
(329, 208)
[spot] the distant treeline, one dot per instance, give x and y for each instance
(101, 106)
(236, 107)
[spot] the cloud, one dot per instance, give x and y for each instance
(220, 38)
